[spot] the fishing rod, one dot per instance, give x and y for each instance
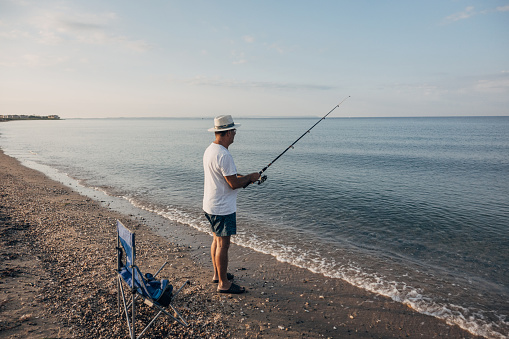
(263, 178)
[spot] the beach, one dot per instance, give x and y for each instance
(57, 278)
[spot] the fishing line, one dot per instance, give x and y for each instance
(264, 177)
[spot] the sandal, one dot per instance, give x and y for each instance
(234, 289)
(229, 276)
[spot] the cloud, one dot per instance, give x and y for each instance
(211, 82)
(239, 58)
(280, 49)
(470, 12)
(497, 84)
(239, 62)
(494, 86)
(423, 90)
(465, 14)
(134, 45)
(14, 34)
(58, 27)
(32, 61)
(503, 8)
(248, 38)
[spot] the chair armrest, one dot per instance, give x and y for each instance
(143, 287)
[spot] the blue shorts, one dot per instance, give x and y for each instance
(223, 225)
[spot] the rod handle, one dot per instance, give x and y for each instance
(260, 181)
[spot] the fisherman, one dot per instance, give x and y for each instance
(220, 199)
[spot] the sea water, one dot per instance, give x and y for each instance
(416, 209)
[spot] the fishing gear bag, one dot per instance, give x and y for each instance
(161, 290)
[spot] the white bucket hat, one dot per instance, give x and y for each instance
(223, 123)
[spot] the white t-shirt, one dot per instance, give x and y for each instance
(218, 197)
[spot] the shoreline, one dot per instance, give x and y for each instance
(57, 277)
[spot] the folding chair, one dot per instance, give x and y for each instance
(158, 294)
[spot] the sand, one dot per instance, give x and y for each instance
(57, 278)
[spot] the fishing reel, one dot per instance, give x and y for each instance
(262, 179)
(259, 181)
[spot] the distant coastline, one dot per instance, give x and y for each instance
(28, 117)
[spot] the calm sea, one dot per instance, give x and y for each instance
(412, 208)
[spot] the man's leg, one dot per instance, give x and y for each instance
(221, 261)
(225, 226)
(213, 249)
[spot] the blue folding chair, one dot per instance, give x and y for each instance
(155, 293)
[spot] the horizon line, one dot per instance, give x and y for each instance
(295, 117)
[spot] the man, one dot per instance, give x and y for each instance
(220, 198)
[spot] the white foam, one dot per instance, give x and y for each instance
(468, 319)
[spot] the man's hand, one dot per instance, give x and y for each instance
(254, 177)
(240, 181)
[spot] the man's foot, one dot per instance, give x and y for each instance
(234, 289)
(229, 276)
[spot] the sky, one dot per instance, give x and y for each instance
(191, 58)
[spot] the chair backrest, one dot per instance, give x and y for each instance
(126, 239)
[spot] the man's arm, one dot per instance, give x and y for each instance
(238, 181)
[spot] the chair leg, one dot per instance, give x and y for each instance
(180, 289)
(149, 324)
(118, 297)
(179, 318)
(126, 311)
(133, 318)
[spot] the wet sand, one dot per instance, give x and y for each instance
(57, 278)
